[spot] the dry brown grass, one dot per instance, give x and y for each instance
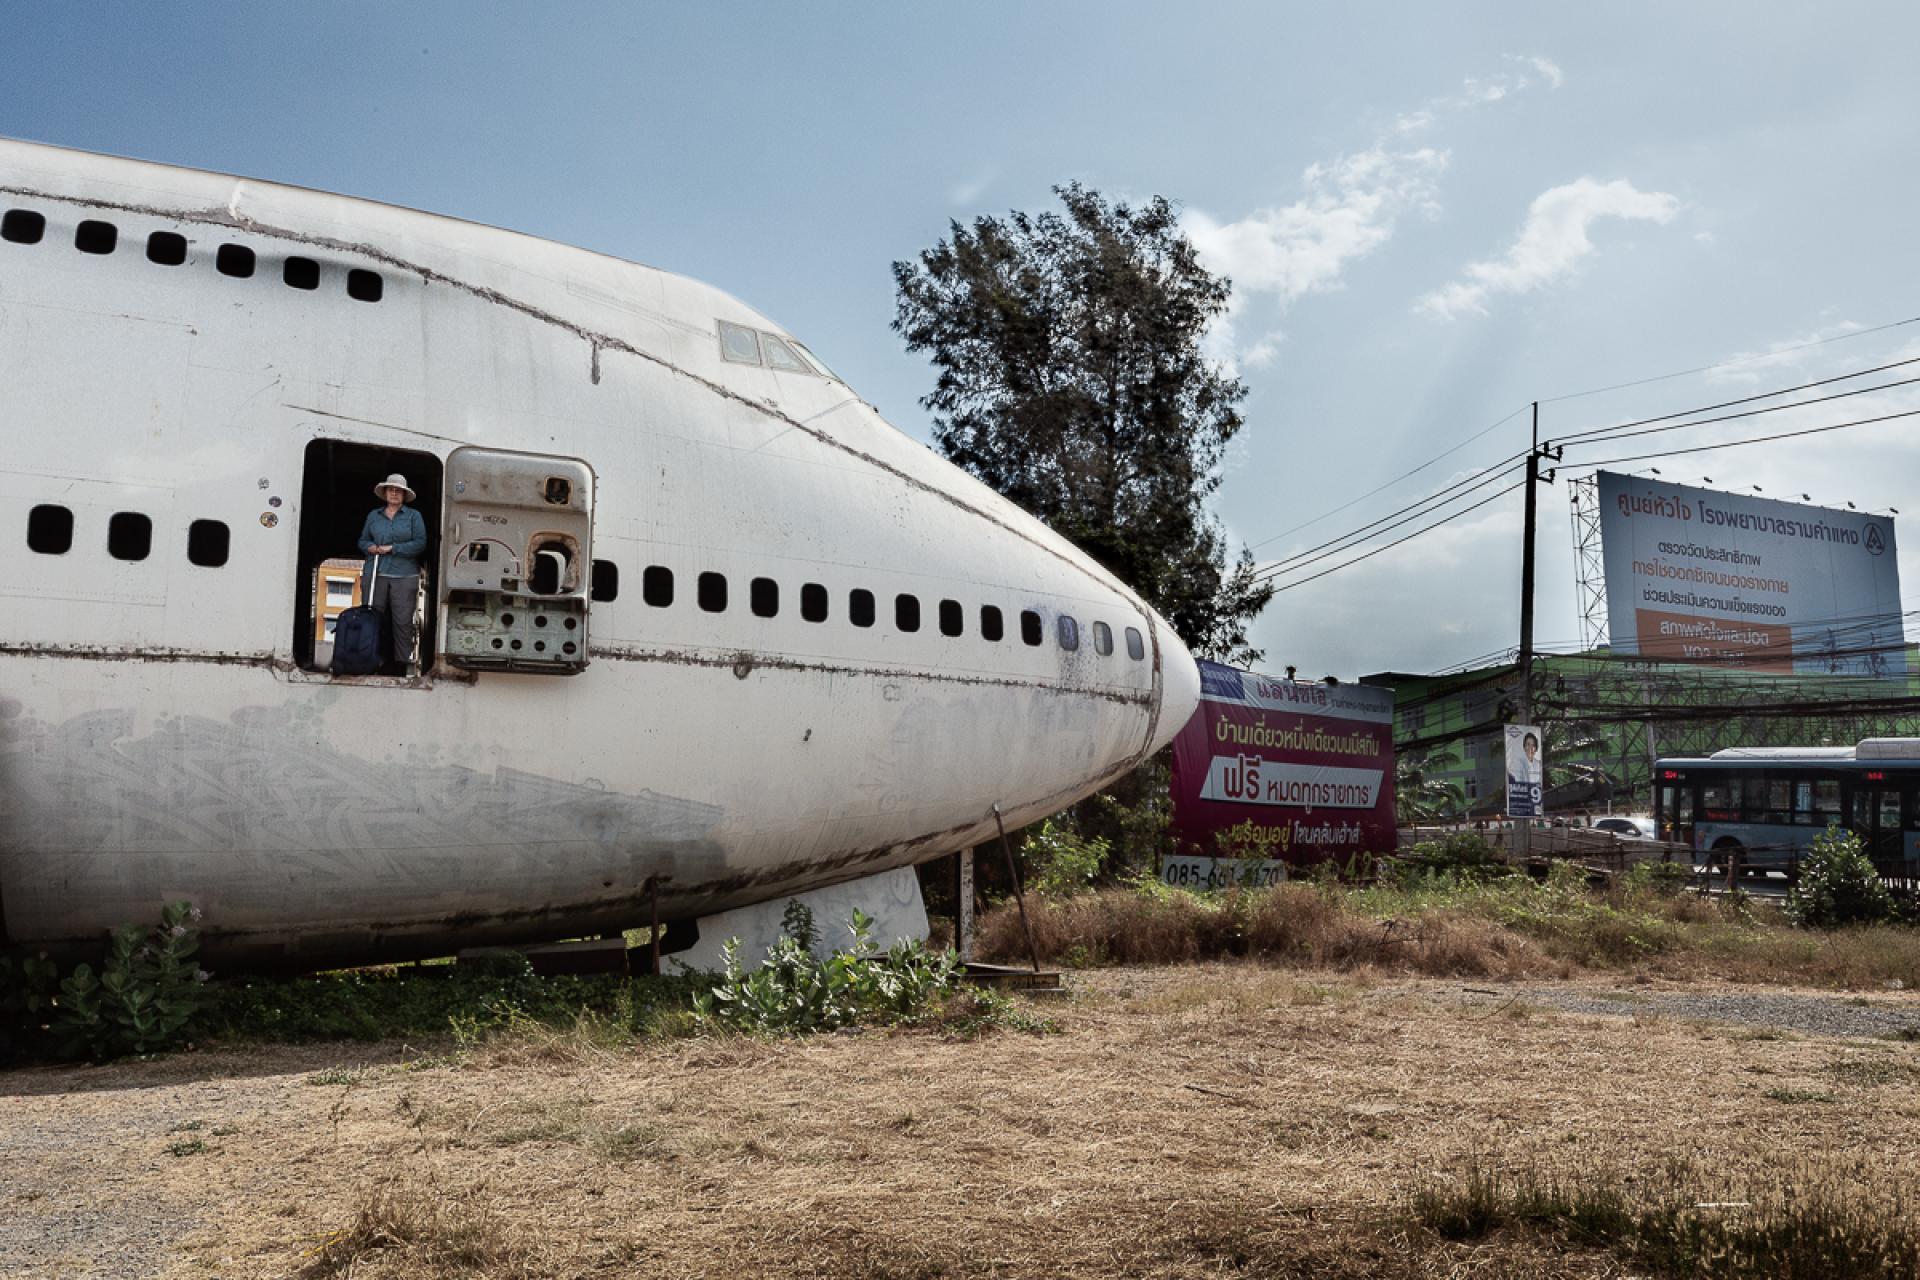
(1205, 1120)
(1294, 924)
(408, 1226)
(1508, 930)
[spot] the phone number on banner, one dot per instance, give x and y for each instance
(1222, 873)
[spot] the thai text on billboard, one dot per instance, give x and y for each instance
(1307, 767)
(1697, 575)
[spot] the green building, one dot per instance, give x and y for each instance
(1607, 719)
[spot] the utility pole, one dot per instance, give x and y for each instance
(1523, 832)
(1526, 575)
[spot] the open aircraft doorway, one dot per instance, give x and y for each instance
(336, 493)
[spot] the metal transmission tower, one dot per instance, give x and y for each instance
(1589, 564)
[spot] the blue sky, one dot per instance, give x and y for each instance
(1432, 214)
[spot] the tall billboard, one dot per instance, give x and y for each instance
(1308, 765)
(1730, 580)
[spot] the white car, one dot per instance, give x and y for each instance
(1628, 828)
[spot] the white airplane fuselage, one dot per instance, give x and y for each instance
(168, 731)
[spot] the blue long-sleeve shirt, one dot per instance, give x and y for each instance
(406, 533)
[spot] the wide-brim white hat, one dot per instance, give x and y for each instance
(396, 480)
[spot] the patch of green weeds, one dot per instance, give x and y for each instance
(796, 991)
(188, 1147)
(1877, 1070)
(335, 1076)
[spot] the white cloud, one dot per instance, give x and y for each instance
(1548, 68)
(1349, 207)
(1778, 357)
(970, 189)
(1348, 211)
(1551, 244)
(1262, 353)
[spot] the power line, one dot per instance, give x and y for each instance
(1621, 433)
(1396, 480)
(1734, 444)
(1425, 507)
(1731, 364)
(1347, 564)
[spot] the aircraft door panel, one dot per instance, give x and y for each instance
(517, 561)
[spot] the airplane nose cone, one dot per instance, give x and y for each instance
(1179, 684)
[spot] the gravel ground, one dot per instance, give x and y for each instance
(1858, 1017)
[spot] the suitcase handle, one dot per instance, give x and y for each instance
(376, 579)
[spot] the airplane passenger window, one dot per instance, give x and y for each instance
(813, 602)
(22, 226)
(606, 581)
(50, 530)
(656, 586)
(129, 536)
(906, 612)
(1069, 633)
(780, 355)
(738, 344)
(952, 618)
(1136, 646)
(207, 543)
(1030, 629)
(713, 592)
(365, 286)
(1102, 639)
(301, 273)
(95, 237)
(860, 607)
(167, 248)
(991, 625)
(234, 260)
(763, 596)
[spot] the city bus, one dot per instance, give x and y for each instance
(1764, 806)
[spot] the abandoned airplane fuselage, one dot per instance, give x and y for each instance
(698, 623)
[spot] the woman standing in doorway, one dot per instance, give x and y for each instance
(398, 535)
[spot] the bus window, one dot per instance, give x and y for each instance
(1753, 798)
(1779, 801)
(1889, 810)
(1826, 801)
(1862, 809)
(1716, 803)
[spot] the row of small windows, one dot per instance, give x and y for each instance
(169, 249)
(129, 536)
(763, 600)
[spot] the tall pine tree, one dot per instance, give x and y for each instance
(1071, 380)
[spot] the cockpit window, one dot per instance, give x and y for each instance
(757, 347)
(737, 343)
(819, 365)
(780, 355)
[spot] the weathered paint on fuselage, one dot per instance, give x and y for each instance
(158, 740)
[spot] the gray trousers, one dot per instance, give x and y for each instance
(396, 597)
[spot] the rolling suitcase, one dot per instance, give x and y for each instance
(360, 636)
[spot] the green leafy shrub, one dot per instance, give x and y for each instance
(147, 991)
(795, 991)
(1658, 877)
(1063, 863)
(1465, 854)
(1838, 885)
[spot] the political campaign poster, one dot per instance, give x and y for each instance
(1526, 771)
(1299, 771)
(1734, 580)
